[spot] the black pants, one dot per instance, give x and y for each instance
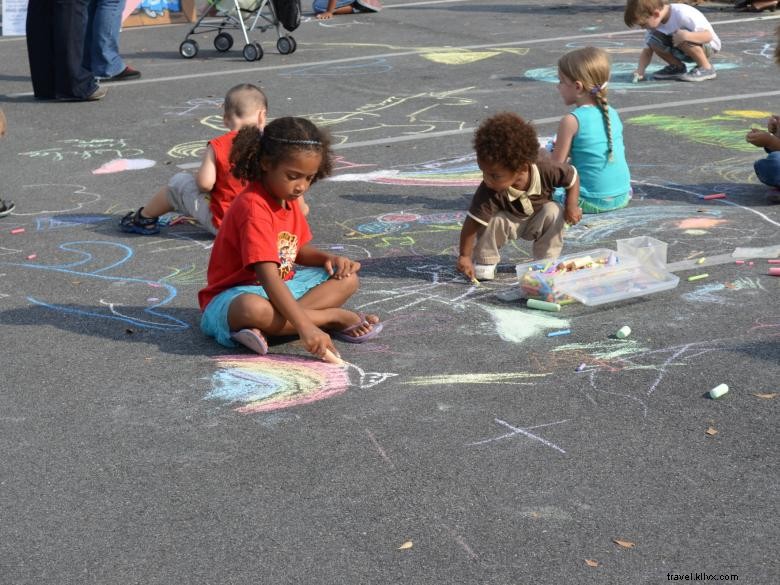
(55, 47)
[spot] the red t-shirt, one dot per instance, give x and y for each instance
(256, 229)
(226, 186)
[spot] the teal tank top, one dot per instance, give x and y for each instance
(600, 177)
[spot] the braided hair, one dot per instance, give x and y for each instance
(590, 66)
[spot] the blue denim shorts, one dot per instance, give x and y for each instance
(214, 321)
(664, 42)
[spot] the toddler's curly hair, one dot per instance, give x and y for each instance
(508, 140)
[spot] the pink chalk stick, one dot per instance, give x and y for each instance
(739, 262)
(774, 272)
(17, 231)
(751, 263)
(774, 261)
(32, 256)
(714, 196)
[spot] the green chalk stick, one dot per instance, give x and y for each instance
(543, 305)
(697, 277)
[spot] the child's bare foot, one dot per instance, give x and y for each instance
(367, 327)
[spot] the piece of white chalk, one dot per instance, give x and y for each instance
(718, 391)
(623, 332)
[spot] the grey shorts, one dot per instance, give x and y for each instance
(663, 42)
(185, 197)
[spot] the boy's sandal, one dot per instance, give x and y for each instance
(346, 333)
(252, 339)
(135, 223)
(6, 207)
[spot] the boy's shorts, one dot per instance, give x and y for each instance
(665, 43)
(185, 197)
(214, 321)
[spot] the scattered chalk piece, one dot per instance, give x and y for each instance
(739, 262)
(774, 271)
(700, 261)
(581, 367)
(697, 277)
(774, 261)
(623, 332)
(713, 196)
(543, 305)
(474, 281)
(559, 332)
(718, 391)
(32, 256)
(751, 263)
(17, 231)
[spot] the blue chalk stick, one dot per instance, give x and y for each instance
(560, 332)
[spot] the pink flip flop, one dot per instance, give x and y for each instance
(344, 334)
(251, 338)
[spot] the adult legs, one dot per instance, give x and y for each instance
(40, 47)
(72, 80)
(101, 46)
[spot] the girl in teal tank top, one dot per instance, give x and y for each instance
(592, 134)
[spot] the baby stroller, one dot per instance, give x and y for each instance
(246, 16)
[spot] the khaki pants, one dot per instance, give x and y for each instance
(185, 197)
(544, 228)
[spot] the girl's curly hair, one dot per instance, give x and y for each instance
(508, 140)
(280, 139)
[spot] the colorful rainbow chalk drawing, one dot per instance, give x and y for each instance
(86, 149)
(268, 383)
(124, 164)
(91, 266)
(726, 130)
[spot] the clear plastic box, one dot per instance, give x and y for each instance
(599, 276)
(649, 252)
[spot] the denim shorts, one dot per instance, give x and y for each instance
(214, 321)
(659, 40)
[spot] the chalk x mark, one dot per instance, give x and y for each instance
(524, 432)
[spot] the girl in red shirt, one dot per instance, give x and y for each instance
(253, 287)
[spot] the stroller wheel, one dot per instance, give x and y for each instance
(188, 49)
(223, 42)
(253, 52)
(285, 45)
